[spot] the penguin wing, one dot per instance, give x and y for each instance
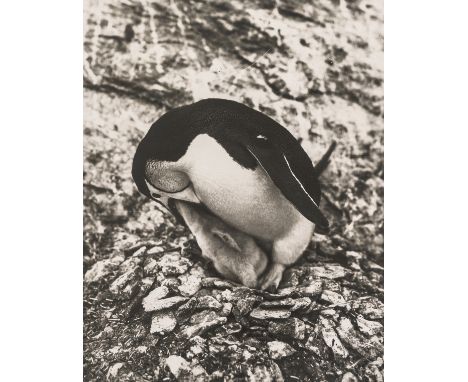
(291, 170)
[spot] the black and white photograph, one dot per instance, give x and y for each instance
(233, 191)
(214, 190)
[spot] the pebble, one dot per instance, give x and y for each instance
(291, 327)
(165, 303)
(102, 268)
(245, 305)
(328, 271)
(202, 327)
(154, 250)
(155, 295)
(226, 310)
(263, 314)
(349, 377)
(185, 311)
(179, 367)
(120, 283)
(368, 327)
(114, 370)
(216, 283)
(108, 332)
(199, 345)
(333, 297)
(172, 283)
(285, 303)
(163, 323)
(189, 285)
(331, 339)
(369, 307)
(301, 303)
(311, 290)
(140, 252)
(209, 302)
(150, 267)
(265, 373)
(365, 347)
(172, 264)
(279, 349)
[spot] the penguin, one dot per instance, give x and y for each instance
(234, 254)
(244, 167)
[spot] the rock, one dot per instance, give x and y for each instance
(150, 267)
(102, 268)
(172, 264)
(291, 328)
(283, 292)
(226, 295)
(328, 271)
(301, 303)
(278, 349)
(365, 347)
(312, 344)
(246, 304)
(368, 327)
(209, 302)
(349, 377)
(199, 374)
(215, 282)
(154, 250)
(204, 316)
(122, 286)
(292, 276)
(114, 371)
(185, 311)
(163, 323)
(189, 285)
(172, 283)
(201, 327)
(331, 339)
(155, 295)
(108, 332)
(130, 264)
(140, 252)
(145, 285)
(232, 327)
(369, 307)
(333, 297)
(198, 345)
(179, 367)
(263, 314)
(311, 290)
(285, 303)
(265, 373)
(374, 266)
(226, 310)
(165, 303)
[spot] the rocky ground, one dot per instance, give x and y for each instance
(153, 308)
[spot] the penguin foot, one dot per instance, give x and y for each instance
(272, 277)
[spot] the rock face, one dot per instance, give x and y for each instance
(153, 308)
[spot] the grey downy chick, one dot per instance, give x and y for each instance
(234, 254)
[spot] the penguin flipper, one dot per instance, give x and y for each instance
(292, 172)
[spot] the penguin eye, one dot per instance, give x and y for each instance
(154, 195)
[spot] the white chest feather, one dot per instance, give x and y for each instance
(246, 199)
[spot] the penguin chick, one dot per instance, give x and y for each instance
(234, 254)
(246, 168)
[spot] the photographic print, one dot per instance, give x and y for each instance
(233, 190)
